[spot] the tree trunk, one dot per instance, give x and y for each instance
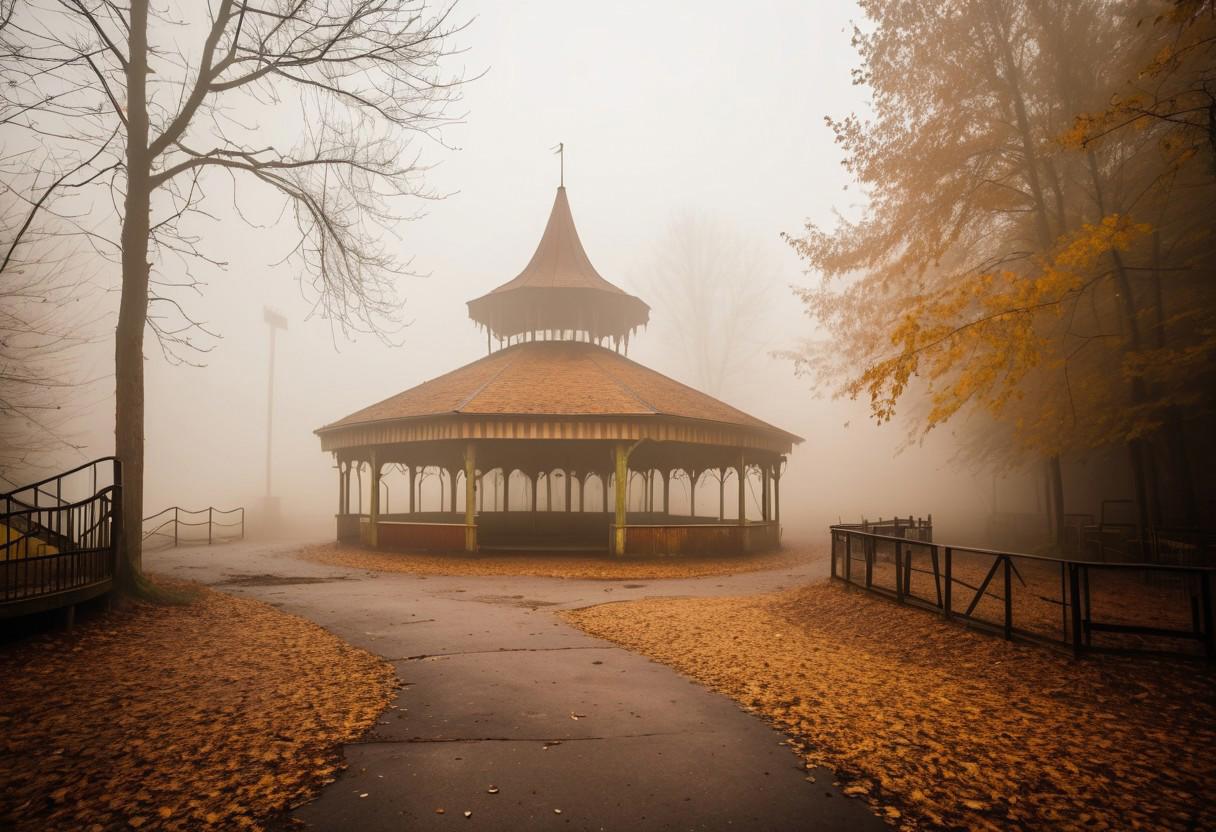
(133, 307)
(1056, 482)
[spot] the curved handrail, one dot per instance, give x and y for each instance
(60, 475)
(62, 506)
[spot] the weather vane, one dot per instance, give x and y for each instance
(560, 150)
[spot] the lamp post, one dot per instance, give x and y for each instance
(274, 322)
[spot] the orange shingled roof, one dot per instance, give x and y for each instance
(555, 378)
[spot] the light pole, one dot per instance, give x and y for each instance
(274, 322)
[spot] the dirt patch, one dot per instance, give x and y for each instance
(221, 713)
(275, 580)
(552, 566)
(938, 726)
(515, 601)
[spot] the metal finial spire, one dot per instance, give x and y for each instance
(560, 150)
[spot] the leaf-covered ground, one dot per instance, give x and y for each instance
(219, 713)
(550, 565)
(939, 726)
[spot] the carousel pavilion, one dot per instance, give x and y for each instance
(556, 409)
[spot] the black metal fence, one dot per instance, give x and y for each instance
(60, 536)
(176, 526)
(1082, 605)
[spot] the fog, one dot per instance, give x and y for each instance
(667, 111)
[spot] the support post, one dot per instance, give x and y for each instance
(566, 477)
(765, 494)
(666, 475)
(694, 477)
(742, 472)
(900, 586)
(721, 495)
(535, 481)
(506, 490)
(413, 472)
(341, 490)
(777, 498)
(209, 526)
(1074, 600)
(176, 525)
(374, 509)
(452, 472)
(470, 497)
(604, 490)
(621, 459)
(1008, 599)
(948, 587)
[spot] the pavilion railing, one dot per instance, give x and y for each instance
(1081, 605)
(56, 549)
(176, 526)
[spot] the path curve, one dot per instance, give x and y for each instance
(500, 692)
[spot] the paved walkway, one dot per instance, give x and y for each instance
(499, 692)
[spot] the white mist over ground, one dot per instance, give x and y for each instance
(713, 109)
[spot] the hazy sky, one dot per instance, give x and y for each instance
(665, 109)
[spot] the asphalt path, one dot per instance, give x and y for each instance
(509, 713)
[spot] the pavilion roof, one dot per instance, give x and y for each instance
(560, 289)
(555, 378)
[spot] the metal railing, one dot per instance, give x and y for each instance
(1082, 605)
(54, 546)
(172, 519)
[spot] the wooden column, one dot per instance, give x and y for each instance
(566, 476)
(549, 490)
(604, 490)
(777, 497)
(535, 482)
(374, 519)
(470, 497)
(765, 495)
(742, 472)
(621, 459)
(666, 492)
(506, 489)
(413, 472)
(452, 472)
(721, 494)
(342, 487)
(582, 492)
(693, 477)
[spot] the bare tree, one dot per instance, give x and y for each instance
(131, 112)
(710, 285)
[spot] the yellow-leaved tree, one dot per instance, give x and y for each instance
(1009, 262)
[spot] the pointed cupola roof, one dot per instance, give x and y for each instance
(560, 290)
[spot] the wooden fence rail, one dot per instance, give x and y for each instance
(1130, 607)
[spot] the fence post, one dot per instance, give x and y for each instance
(175, 527)
(899, 571)
(242, 522)
(848, 557)
(833, 565)
(1008, 598)
(948, 589)
(1074, 599)
(208, 525)
(868, 547)
(1205, 601)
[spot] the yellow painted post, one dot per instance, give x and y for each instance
(374, 519)
(742, 472)
(470, 497)
(622, 481)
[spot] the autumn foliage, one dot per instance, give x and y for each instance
(218, 714)
(939, 727)
(1036, 246)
